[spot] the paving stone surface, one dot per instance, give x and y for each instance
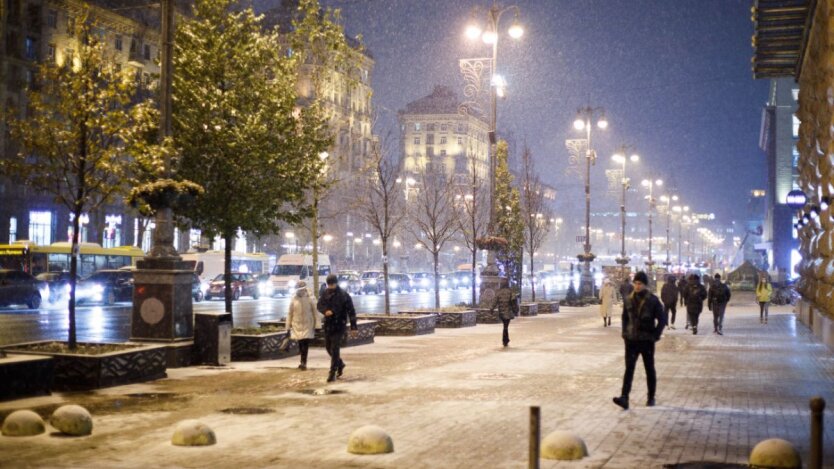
(456, 399)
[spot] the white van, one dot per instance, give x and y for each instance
(294, 267)
(209, 264)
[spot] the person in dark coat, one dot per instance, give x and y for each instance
(669, 297)
(695, 296)
(643, 323)
(507, 304)
(626, 288)
(337, 307)
(717, 299)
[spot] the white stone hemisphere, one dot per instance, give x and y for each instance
(193, 433)
(563, 446)
(775, 453)
(23, 423)
(370, 439)
(72, 420)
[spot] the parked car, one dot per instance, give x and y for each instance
(422, 281)
(198, 290)
(372, 282)
(106, 286)
(58, 283)
(350, 282)
(399, 282)
(20, 288)
(243, 284)
(445, 282)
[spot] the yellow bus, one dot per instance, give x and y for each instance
(34, 259)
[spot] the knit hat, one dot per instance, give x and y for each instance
(641, 277)
(718, 276)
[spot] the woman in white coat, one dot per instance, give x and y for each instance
(607, 296)
(302, 321)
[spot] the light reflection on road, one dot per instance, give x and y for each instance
(98, 323)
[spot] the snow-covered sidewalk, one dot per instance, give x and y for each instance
(456, 399)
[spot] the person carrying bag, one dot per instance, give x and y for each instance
(302, 322)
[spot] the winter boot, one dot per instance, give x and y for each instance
(650, 402)
(621, 401)
(331, 377)
(341, 369)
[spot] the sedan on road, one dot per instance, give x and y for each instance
(399, 283)
(422, 281)
(372, 282)
(59, 284)
(20, 288)
(243, 284)
(350, 282)
(106, 286)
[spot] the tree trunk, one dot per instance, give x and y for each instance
(435, 255)
(314, 231)
(227, 270)
(385, 273)
(74, 250)
(532, 277)
(474, 272)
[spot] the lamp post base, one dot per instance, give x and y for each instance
(490, 282)
(586, 279)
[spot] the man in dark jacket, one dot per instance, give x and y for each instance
(669, 297)
(681, 290)
(695, 296)
(626, 288)
(337, 307)
(718, 297)
(643, 323)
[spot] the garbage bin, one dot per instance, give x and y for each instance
(213, 338)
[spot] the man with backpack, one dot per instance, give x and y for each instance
(719, 296)
(695, 296)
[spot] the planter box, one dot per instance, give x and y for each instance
(403, 324)
(484, 316)
(548, 307)
(529, 309)
(74, 372)
(365, 336)
(261, 347)
(25, 376)
(451, 319)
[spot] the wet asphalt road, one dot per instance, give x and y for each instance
(105, 324)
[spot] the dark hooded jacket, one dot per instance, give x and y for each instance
(341, 304)
(695, 295)
(643, 318)
(669, 292)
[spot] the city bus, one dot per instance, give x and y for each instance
(34, 259)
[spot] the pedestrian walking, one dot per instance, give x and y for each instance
(681, 290)
(302, 321)
(626, 288)
(764, 293)
(695, 296)
(643, 323)
(717, 299)
(506, 302)
(337, 307)
(607, 297)
(669, 297)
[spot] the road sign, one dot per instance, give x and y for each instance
(796, 199)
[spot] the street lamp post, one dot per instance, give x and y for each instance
(668, 202)
(649, 183)
(584, 118)
(490, 36)
(620, 157)
(680, 210)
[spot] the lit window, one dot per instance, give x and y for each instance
(796, 123)
(417, 126)
(40, 227)
(12, 229)
(795, 93)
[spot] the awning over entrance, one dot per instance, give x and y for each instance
(781, 29)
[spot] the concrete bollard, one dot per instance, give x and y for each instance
(563, 446)
(23, 423)
(72, 420)
(817, 408)
(775, 453)
(370, 439)
(535, 435)
(193, 433)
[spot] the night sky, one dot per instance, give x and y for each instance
(674, 77)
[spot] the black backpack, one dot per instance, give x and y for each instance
(721, 294)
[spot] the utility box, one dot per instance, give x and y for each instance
(213, 338)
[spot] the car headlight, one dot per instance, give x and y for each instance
(67, 289)
(264, 288)
(97, 288)
(291, 284)
(343, 285)
(204, 286)
(394, 284)
(443, 283)
(424, 282)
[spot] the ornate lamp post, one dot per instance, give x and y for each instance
(490, 36)
(667, 201)
(584, 118)
(650, 184)
(620, 157)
